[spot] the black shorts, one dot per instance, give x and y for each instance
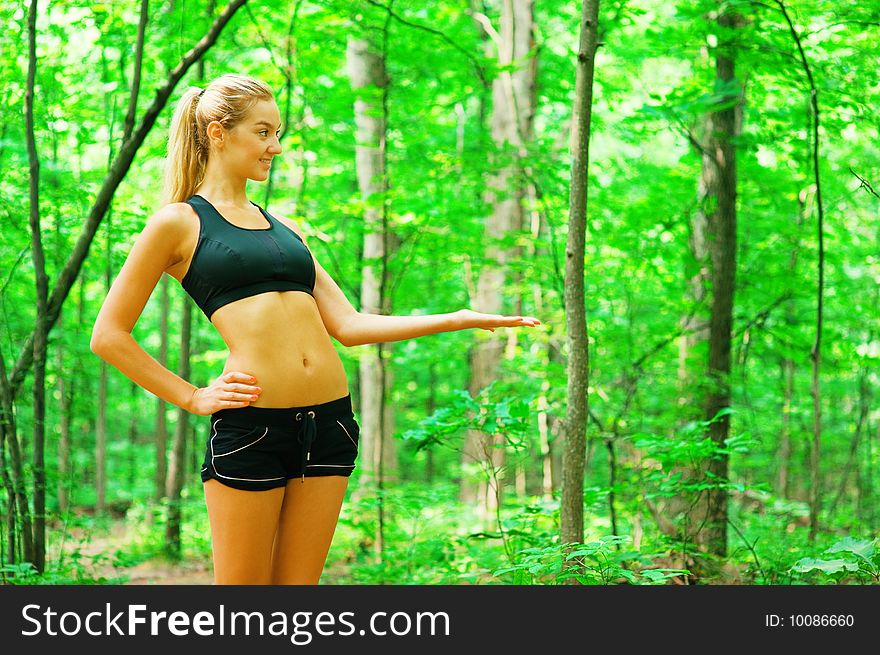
(259, 448)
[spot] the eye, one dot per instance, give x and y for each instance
(264, 132)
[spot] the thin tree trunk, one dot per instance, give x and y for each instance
(691, 351)
(16, 474)
(869, 481)
(41, 331)
(133, 416)
(7, 537)
(430, 408)
(66, 385)
(101, 426)
(176, 474)
(161, 434)
(572, 505)
(816, 352)
(783, 478)
(537, 470)
(366, 71)
(555, 427)
(852, 456)
(101, 444)
(13, 477)
(65, 393)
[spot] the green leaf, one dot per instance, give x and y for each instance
(825, 566)
(860, 547)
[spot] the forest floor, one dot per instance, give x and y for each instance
(154, 571)
(99, 547)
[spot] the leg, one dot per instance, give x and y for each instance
(243, 526)
(305, 530)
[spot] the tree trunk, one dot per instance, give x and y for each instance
(512, 122)
(177, 472)
(13, 478)
(133, 416)
(722, 247)
(161, 434)
(783, 478)
(41, 330)
(366, 71)
(816, 351)
(65, 393)
(101, 427)
(692, 353)
(572, 505)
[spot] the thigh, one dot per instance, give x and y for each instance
(243, 526)
(309, 514)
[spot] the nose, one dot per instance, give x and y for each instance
(275, 146)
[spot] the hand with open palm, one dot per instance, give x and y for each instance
(472, 319)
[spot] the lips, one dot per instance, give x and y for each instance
(266, 161)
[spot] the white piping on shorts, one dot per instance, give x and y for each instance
(229, 477)
(346, 432)
(341, 466)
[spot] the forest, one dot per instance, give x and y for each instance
(685, 193)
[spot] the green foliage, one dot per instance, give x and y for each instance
(490, 413)
(77, 561)
(846, 559)
(421, 545)
(591, 563)
(676, 465)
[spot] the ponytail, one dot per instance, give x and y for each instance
(187, 156)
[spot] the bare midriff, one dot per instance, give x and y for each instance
(279, 338)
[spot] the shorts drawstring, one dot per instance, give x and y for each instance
(306, 437)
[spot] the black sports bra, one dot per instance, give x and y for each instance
(231, 262)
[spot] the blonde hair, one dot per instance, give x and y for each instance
(226, 100)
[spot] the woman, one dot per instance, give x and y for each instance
(282, 439)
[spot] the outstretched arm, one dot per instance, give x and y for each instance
(353, 328)
(362, 329)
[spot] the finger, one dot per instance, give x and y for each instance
(238, 376)
(243, 388)
(244, 397)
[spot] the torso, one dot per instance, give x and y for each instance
(278, 337)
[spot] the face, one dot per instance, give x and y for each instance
(249, 147)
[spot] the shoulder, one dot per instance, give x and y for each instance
(173, 215)
(174, 219)
(171, 231)
(291, 224)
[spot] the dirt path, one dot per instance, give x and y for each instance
(156, 572)
(95, 551)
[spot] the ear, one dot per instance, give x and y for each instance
(216, 133)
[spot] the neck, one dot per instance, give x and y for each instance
(220, 187)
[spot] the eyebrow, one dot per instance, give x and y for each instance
(268, 124)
